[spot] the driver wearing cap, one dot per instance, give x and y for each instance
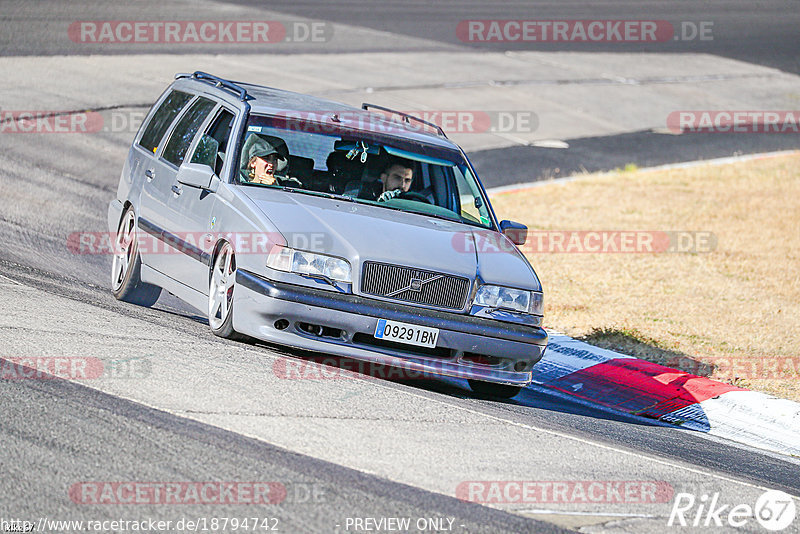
(263, 156)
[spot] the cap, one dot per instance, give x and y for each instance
(264, 145)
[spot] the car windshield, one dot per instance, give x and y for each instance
(371, 168)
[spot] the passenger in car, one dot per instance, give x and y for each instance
(264, 156)
(343, 172)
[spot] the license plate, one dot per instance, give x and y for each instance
(410, 334)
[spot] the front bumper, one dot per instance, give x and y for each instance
(259, 303)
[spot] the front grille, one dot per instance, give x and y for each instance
(414, 285)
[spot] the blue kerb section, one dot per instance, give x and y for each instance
(380, 328)
(692, 417)
(551, 368)
(579, 353)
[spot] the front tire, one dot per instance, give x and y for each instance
(489, 389)
(220, 294)
(126, 281)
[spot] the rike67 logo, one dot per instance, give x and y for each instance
(774, 510)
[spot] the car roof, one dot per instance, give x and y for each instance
(265, 100)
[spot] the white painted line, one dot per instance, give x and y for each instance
(3, 279)
(550, 143)
(593, 514)
(646, 457)
(412, 393)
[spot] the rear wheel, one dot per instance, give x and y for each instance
(126, 281)
(489, 389)
(220, 294)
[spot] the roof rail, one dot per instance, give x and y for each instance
(216, 82)
(406, 117)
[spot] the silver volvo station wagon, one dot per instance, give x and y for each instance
(362, 233)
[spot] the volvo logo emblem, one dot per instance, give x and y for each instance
(415, 285)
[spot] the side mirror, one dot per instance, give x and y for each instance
(516, 232)
(196, 175)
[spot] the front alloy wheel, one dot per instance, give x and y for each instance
(220, 293)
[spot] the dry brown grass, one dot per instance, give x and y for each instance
(736, 308)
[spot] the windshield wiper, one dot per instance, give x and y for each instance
(455, 218)
(336, 196)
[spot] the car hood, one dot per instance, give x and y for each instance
(360, 232)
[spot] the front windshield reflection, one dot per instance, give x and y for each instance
(390, 173)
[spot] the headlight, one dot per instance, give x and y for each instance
(512, 299)
(308, 263)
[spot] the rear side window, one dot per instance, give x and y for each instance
(162, 118)
(186, 129)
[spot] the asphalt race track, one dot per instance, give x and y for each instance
(188, 407)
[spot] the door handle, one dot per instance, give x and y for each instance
(149, 174)
(177, 189)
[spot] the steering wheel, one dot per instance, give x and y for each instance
(413, 195)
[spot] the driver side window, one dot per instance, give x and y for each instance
(213, 145)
